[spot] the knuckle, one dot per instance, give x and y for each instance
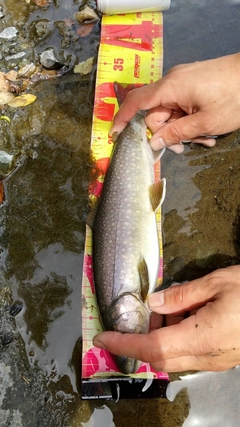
(175, 134)
(215, 279)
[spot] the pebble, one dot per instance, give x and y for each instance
(18, 55)
(48, 58)
(9, 33)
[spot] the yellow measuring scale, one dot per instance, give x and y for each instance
(131, 52)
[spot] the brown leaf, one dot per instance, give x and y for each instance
(5, 97)
(11, 75)
(42, 3)
(85, 30)
(4, 84)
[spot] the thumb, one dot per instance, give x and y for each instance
(183, 129)
(184, 297)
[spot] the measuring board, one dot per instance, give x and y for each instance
(130, 53)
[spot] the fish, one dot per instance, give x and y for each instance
(125, 239)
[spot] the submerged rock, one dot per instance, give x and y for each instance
(57, 59)
(16, 307)
(5, 162)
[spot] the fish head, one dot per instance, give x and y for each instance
(127, 365)
(128, 314)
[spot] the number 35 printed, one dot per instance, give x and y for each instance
(118, 64)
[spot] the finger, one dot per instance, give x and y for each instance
(144, 98)
(173, 319)
(176, 148)
(156, 321)
(178, 364)
(156, 117)
(164, 343)
(213, 361)
(208, 142)
(186, 296)
(184, 129)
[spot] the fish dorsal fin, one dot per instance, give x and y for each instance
(144, 278)
(157, 193)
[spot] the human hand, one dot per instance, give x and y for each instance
(191, 102)
(209, 339)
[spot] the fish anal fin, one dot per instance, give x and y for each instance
(144, 278)
(157, 193)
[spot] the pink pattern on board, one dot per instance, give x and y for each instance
(87, 268)
(97, 360)
(90, 364)
(95, 188)
(101, 167)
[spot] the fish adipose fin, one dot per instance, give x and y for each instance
(157, 193)
(144, 278)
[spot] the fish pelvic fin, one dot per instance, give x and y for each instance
(157, 193)
(144, 278)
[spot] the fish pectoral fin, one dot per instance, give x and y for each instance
(92, 212)
(144, 278)
(158, 154)
(157, 193)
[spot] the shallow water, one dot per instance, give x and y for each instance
(42, 222)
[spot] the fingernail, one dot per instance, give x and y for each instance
(157, 144)
(112, 132)
(156, 300)
(115, 136)
(98, 343)
(177, 148)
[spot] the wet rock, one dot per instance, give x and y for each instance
(6, 339)
(57, 60)
(9, 33)
(27, 70)
(64, 30)
(84, 67)
(16, 57)
(48, 59)
(40, 30)
(43, 28)
(6, 161)
(86, 15)
(16, 308)
(2, 14)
